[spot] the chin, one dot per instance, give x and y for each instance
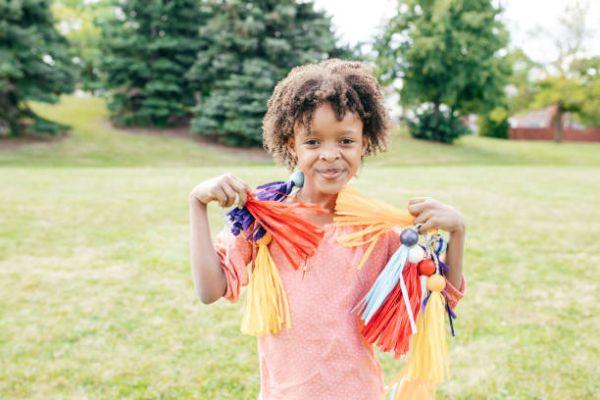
(332, 186)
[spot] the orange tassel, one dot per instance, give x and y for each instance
(373, 217)
(297, 237)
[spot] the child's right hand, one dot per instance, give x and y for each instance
(225, 189)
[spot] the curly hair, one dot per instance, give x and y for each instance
(346, 85)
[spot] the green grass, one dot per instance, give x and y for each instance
(97, 301)
(94, 142)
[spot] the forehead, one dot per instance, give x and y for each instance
(325, 121)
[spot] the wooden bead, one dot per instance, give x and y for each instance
(416, 254)
(265, 240)
(426, 267)
(436, 283)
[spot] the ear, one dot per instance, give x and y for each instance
(291, 145)
(365, 144)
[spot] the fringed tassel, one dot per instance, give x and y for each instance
(266, 310)
(373, 218)
(296, 237)
(428, 364)
(415, 389)
(390, 327)
(390, 276)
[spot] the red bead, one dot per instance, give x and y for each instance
(426, 267)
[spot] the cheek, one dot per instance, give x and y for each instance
(353, 158)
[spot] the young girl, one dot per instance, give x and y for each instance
(323, 119)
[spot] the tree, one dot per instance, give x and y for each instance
(35, 64)
(520, 92)
(76, 20)
(251, 45)
(147, 48)
(571, 81)
(448, 54)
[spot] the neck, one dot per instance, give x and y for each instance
(324, 200)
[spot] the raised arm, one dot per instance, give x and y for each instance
(209, 279)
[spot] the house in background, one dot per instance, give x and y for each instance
(540, 125)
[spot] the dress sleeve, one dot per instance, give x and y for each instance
(234, 253)
(453, 294)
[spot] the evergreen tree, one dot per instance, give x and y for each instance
(447, 54)
(147, 48)
(35, 64)
(251, 45)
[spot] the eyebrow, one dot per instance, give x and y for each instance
(315, 132)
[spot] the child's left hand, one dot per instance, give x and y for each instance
(435, 214)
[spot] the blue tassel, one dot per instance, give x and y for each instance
(385, 283)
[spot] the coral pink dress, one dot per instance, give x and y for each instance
(322, 356)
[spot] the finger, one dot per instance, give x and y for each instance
(416, 200)
(423, 217)
(240, 192)
(243, 184)
(429, 224)
(418, 208)
(220, 195)
(231, 195)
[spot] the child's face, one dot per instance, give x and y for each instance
(332, 153)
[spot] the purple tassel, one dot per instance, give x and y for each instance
(241, 219)
(443, 267)
(451, 315)
(425, 301)
(275, 191)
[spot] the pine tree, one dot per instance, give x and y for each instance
(35, 64)
(447, 53)
(147, 49)
(251, 45)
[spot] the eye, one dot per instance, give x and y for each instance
(347, 141)
(311, 142)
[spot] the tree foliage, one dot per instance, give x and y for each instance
(446, 52)
(76, 20)
(35, 64)
(250, 46)
(147, 49)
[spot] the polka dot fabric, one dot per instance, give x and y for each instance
(322, 356)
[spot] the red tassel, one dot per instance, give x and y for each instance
(297, 237)
(390, 327)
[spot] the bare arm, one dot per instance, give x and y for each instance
(209, 278)
(454, 256)
(434, 214)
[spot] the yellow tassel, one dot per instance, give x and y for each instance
(413, 389)
(373, 216)
(266, 310)
(428, 363)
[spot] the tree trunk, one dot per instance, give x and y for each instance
(436, 113)
(558, 124)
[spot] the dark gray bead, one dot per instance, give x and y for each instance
(409, 237)
(298, 178)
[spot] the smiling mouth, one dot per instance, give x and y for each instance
(331, 174)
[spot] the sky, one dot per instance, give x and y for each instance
(356, 21)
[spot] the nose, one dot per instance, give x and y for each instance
(330, 153)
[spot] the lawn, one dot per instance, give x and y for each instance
(96, 297)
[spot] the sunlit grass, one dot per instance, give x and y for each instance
(97, 301)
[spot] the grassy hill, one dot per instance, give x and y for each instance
(94, 142)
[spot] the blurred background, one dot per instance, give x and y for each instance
(112, 111)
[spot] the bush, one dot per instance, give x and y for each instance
(441, 126)
(494, 124)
